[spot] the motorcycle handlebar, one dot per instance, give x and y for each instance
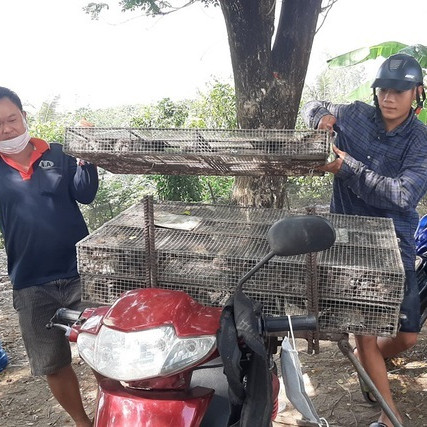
(66, 316)
(299, 323)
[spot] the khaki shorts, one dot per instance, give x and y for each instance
(48, 350)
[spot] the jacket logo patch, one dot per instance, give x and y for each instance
(46, 164)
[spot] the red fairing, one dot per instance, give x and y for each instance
(119, 407)
(276, 389)
(92, 322)
(179, 381)
(149, 308)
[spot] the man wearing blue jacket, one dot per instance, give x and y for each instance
(41, 222)
(381, 170)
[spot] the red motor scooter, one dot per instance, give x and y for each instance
(157, 349)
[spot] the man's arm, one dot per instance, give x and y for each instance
(85, 175)
(398, 193)
(383, 192)
(322, 114)
(85, 181)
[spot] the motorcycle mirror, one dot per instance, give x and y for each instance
(300, 235)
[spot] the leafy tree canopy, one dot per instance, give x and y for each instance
(149, 7)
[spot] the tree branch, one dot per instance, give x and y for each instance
(324, 12)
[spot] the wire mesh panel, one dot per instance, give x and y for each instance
(205, 249)
(254, 152)
(114, 250)
(368, 249)
(361, 277)
(215, 263)
(105, 289)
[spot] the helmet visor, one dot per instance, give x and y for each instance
(394, 84)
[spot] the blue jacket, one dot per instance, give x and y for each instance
(40, 219)
(384, 174)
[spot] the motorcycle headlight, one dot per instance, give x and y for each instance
(131, 356)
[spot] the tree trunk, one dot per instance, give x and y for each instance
(268, 81)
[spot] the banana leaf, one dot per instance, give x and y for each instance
(419, 52)
(362, 93)
(363, 54)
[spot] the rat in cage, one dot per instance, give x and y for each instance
(291, 143)
(104, 289)
(80, 142)
(343, 319)
(200, 145)
(95, 260)
(369, 285)
(215, 297)
(363, 284)
(140, 145)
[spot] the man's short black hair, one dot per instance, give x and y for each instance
(12, 96)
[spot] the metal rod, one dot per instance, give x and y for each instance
(347, 350)
(255, 269)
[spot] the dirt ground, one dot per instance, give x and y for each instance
(330, 381)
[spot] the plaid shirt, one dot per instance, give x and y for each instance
(384, 173)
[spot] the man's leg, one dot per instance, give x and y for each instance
(372, 351)
(410, 316)
(65, 388)
(372, 360)
(49, 350)
(391, 347)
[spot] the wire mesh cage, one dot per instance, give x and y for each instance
(205, 249)
(238, 152)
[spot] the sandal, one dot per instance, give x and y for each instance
(368, 396)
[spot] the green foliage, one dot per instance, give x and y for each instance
(94, 9)
(45, 123)
(149, 7)
(169, 114)
(115, 194)
(216, 189)
(47, 112)
(49, 131)
(215, 109)
(361, 93)
(178, 187)
(210, 189)
(108, 117)
(307, 191)
(384, 50)
(419, 52)
(164, 114)
(363, 54)
(334, 84)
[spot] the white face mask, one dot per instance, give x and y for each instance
(17, 144)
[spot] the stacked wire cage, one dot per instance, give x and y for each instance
(205, 249)
(238, 152)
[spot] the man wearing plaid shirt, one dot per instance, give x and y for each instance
(380, 170)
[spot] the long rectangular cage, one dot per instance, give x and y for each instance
(205, 249)
(178, 151)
